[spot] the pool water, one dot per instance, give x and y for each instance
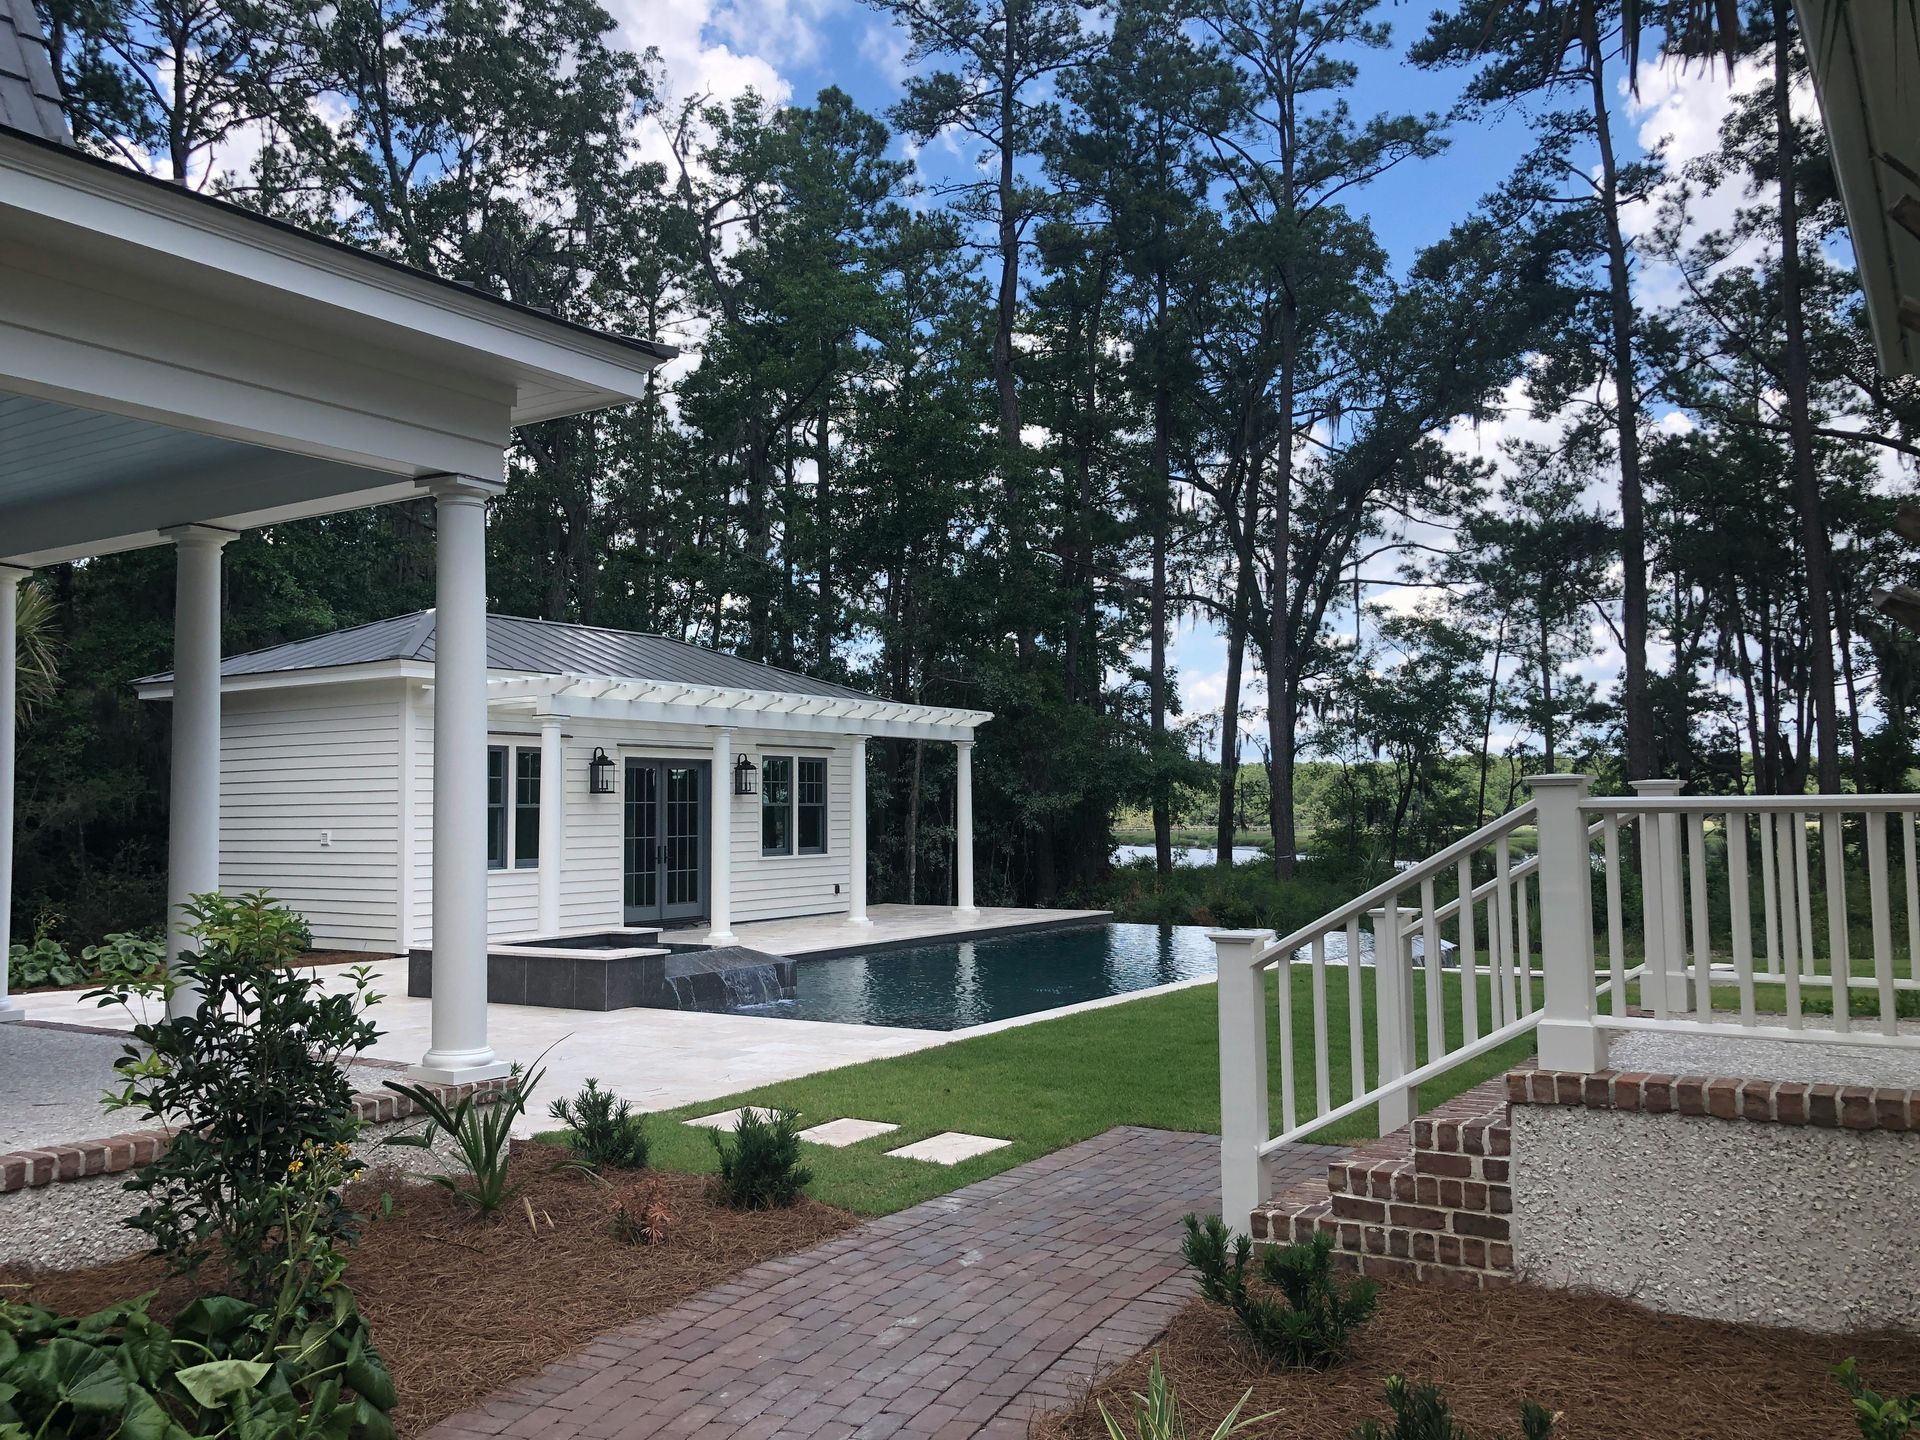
(969, 982)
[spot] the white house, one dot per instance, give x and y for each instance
(630, 780)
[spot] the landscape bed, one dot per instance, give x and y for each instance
(460, 1307)
(1614, 1371)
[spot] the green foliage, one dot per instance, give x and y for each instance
(1419, 1413)
(761, 1170)
(44, 962)
(605, 1130)
(1156, 1414)
(248, 1079)
(1236, 897)
(224, 1368)
(1879, 1417)
(480, 1126)
(1315, 1325)
(124, 955)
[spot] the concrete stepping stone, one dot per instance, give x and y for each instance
(846, 1132)
(727, 1119)
(949, 1147)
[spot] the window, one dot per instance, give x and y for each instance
(776, 805)
(496, 807)
(526, 808)
(513, 816)
(810, 805)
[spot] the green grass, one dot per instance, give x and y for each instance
(1152, 1062)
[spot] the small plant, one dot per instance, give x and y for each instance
(1419, 1413)
(761, 1170)
(246, 1081)
(1878, 1417)
(44, 962)
(1156, 1414)
(125, 955)
(480, 1126)
(1313, 1329)
(640, 1214)
(606, 1132)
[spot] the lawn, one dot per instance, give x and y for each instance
(1152, 1062)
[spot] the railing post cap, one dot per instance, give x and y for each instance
(1658, 787)
(1557, 781)
(1239, 937)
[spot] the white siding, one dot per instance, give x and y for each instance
(768, 887)
(299, 766)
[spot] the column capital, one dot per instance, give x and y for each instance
(1556, 782)
(14, 574)
(1656, 788)
(966, 744)
(199, 537)
(461, 487)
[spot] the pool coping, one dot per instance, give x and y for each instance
(1074, 921)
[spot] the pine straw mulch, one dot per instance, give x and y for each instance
(1615, 1371)
(460, 1307)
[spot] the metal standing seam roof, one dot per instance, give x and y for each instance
(29, 91)
(532, 647)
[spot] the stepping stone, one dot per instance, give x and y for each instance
(846, 1132)
(948, 1148)
(727, 1119)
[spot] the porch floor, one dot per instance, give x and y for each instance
(892, 926)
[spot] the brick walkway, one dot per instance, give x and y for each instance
(967, 1315)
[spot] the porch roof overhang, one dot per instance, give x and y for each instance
(169, 359)
(590, 697)
(1866, 69)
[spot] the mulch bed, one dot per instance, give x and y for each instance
(460, 1307)
(1614, 1370)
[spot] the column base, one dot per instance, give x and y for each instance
(10, 1011)
(459, 1068)
(863, 921)
(967, 912)
(721, 937)
(1571, 1045)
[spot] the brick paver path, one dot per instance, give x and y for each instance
(966, 1315)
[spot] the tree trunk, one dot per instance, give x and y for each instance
(1279, 662)
(1157, 619)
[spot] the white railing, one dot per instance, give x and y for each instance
(1597, 966)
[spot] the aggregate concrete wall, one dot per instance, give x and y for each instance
(1770, 1223)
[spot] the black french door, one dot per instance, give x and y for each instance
(666, 845)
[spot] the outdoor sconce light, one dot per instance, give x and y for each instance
(599, 773)
(746, 777)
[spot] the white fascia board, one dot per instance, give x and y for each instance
(561, 369)
(297, 679)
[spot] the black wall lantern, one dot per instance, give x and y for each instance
(599, 773)
(746, 777)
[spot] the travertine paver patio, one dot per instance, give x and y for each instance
(966, 1315)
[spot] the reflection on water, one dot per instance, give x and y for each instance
(969, 982)
(1187, 857)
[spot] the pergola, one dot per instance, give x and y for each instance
(175, 370)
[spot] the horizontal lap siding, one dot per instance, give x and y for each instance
(768, 887)
(295, 763)
(590, 875)
(513, 896)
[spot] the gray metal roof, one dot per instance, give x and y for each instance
(29, 92)
(532, 647)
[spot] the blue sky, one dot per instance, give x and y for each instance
(791, 49)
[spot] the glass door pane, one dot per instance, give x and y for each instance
(685, 838)
(642, 850)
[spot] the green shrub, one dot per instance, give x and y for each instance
(125, 955)
(1419, 1413)
(480, 1125)
(248, 1081)
(1314, 1326)
(762, 1169)
(1879, 1418)
(1156, 1414)
(606, 1132)
(44, 962)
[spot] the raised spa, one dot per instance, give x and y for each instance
(620, 969)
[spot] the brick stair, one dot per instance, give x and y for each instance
(1434, 1201)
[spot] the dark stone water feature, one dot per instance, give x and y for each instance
(621, 969)
(728, 978)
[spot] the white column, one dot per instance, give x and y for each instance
(459, 1048)
(193, 788)
(963, 824)
(1393, 1014)
(553, 799)
(857, 847)
(1568, 1037)
(10, 578)
(1242, 1001)
(720, 883)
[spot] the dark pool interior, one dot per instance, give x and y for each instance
(952, 985)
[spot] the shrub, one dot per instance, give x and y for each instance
(125, 955)
(762, 1169)
(1313, 1329)
(1156, 1414)
(44, 962)
(606, 1132)
(1879, 1418)
(247, 1082)
(640, 1215)
(1420, 1414)
(480, 1126)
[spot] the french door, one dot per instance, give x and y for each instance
(666, 840)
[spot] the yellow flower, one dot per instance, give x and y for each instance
(294, 1168)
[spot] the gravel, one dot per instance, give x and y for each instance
(1813, 1063)
(51, 1084)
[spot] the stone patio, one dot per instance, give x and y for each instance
(967, 1315)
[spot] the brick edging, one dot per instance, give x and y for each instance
(1720, 1097)
(84, 1159)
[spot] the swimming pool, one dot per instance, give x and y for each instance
(969, 982)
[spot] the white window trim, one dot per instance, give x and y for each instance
(793, 850)
(510, 770)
